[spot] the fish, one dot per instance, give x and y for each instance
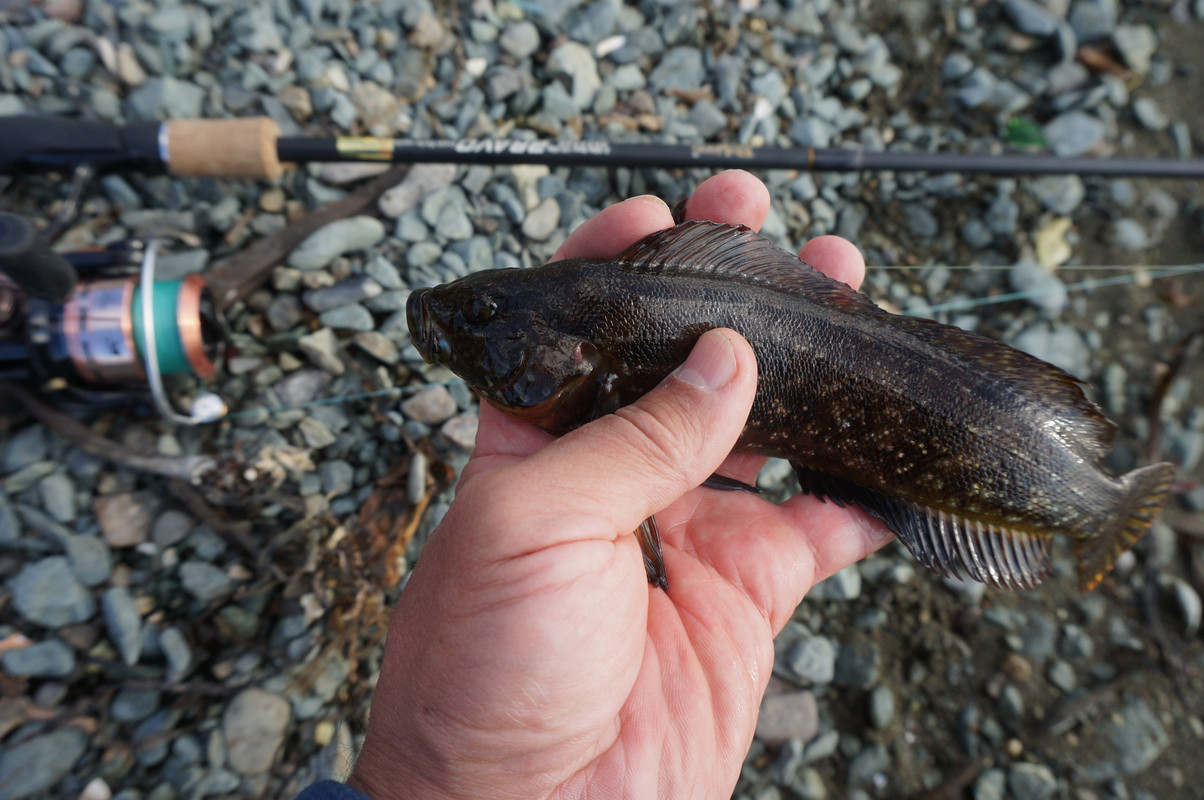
(973, 453)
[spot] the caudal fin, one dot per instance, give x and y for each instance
(1144, 495)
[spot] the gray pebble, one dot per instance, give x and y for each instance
(813, 659)
(1061, 194)
(27, 477)
(322, 349)
(542, 222)
(58, 496)
(337, 477)
(920, 220)
(977, 89)
(1011, 704)
(1041, 287)
(1076, 642)
(869, 766)
(1074, 133)
(1002, 216)
(882, 707)
(824, 745)
(432, 405)
(335, 239)
(1127, 233)
(1191, 610)
(445, 210)
(843, 585)
(787, 715)
(594, 22)
(1093, 20)
(956, 66)
(134, 705)
(90, 557)
(975, 233)
(1031, 781)
(204, 581)
(1062, 676)
(26, 446)
(348, 318)
(679, 68)
(575, 61)
(461, 430)
(1031, 17)
(1062, 346)
(47, 593)
(858, 665)
(50, 658)
(123, 622)
(170, 528)
(37, 764)
(352, 290)
(284, 312)
(520, 39)
(383, 271)
(1136, 44)
(1149, 115)
(316, 435)
(10, 525)
(165, 98)
(177, 653)
(377, 345)
(254, 725)
(991, 785)
(811, 131)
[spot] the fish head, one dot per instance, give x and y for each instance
(492, 329)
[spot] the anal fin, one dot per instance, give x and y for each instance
(944, 542)
(649, 537)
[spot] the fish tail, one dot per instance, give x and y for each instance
(1144, 493)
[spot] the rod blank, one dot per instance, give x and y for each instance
(595, 153)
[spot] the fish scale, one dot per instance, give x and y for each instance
(975, 454)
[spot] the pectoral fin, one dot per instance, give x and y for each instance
(649, 537)
(726, 484)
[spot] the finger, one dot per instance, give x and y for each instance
(626, 466)
(744, 467)
(734, 196)
(500, 434)
(835, 257)
(613, 229)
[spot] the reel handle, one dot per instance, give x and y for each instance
(31, 264)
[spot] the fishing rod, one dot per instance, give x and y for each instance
(252, 147)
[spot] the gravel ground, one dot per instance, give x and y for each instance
(159, 641)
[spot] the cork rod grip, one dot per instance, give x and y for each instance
(223, 148)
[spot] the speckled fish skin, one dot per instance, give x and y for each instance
(974, 453)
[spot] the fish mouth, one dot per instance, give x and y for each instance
(427, 335)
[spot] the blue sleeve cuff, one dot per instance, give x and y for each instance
(330, 790)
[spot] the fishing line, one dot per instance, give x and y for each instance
(1081, 286)
(1062, 268)
(342, 399)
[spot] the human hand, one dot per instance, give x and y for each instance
(529, 658)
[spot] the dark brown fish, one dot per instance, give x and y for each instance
(972, 452)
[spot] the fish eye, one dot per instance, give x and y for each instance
(481, 309)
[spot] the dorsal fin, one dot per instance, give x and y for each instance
(701, 247)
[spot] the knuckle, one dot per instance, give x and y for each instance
(668, 436)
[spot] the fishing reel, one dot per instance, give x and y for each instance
(96, 326)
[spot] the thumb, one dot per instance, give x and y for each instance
(627, 466)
